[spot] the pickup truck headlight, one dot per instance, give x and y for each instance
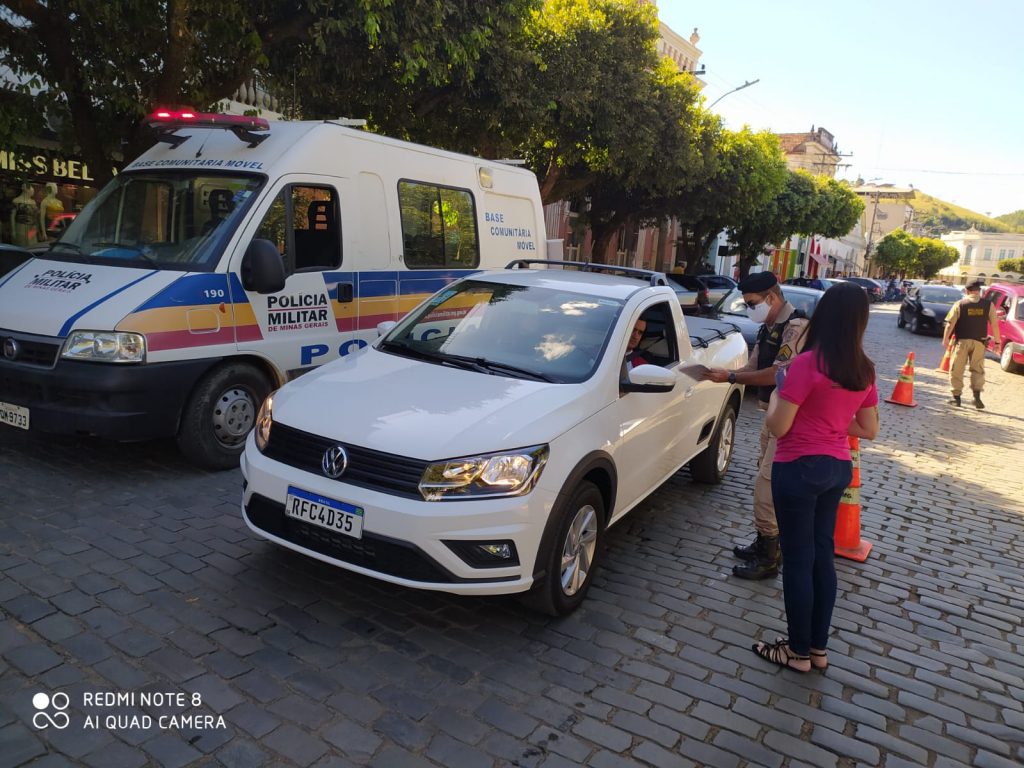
(928, 312)
(264, 421)
(508, 473)
(105, 347)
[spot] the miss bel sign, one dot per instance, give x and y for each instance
(44, 165)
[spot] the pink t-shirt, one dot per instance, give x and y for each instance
(826, 410)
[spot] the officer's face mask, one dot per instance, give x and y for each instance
(973, 296)
(759, 312)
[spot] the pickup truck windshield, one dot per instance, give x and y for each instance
(509, 330)
(178, 220)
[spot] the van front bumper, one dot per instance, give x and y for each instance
(116, 402)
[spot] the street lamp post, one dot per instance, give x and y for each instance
(737, 88)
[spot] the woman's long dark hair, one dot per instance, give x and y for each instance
(836, 334)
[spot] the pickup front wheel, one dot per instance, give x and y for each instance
(1006, 359)
(219, 415)
(574, 555)
(710, 465)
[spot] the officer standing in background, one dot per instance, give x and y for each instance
(969, 321)
(779, 339)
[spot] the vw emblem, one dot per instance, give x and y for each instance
(11, 348)
(334, 462)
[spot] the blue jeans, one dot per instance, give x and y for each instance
(806, 493)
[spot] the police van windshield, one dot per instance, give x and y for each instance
(172, 221)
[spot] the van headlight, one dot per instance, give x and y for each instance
(508, 473)
(105, 347)
(264, 421)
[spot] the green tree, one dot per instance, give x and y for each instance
(791, 211)
(933, 255)
(744, 171)
(1011, 265)
(95, 68)
(897, 252)
(837, 208)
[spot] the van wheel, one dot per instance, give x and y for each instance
(1006, 360)
(710, 465)
(219, 415)
(574, 555)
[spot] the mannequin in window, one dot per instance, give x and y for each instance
(48, 209)
(221, 203)
(25, 217)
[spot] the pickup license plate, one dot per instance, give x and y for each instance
(14, 415)
(328, 513)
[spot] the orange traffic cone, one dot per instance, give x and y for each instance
(849, 544)
(944, 365)
(903, 393)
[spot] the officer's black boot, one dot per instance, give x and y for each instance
(977, 401)
(766, 566)
(752, 551)
(954, 400)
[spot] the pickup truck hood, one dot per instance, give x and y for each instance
(51, 298)
(421, 410)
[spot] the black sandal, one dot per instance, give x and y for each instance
(779, 653)
(822, 666)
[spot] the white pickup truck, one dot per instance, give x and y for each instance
(487, 441)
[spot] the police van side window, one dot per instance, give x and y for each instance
(438, 226)
(304, 223)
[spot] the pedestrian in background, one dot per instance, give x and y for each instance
(969, 320)
(828, 393)
(778, 340)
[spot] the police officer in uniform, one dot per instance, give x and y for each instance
(779, 339)
(969, 322)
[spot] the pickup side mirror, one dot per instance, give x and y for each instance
(262, 267)
(649, 378)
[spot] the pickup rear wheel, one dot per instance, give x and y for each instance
(574, 554)
(219, 415)
(710, 465)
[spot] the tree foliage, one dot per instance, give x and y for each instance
(96, 68)
(1011, 265)
(901, 252)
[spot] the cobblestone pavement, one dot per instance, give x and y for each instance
(122, 569)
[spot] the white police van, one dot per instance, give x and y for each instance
(230, 258)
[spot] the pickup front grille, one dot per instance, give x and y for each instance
(378, 471)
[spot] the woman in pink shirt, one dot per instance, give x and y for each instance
(828, 393)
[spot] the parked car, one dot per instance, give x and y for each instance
(874, 289)
(734, 309)
(12, 256)
(717, 286)
(692, 293)
(487, 441)
(924, 309)
(1008, 299)
(819, 283)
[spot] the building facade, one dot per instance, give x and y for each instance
(980, 254)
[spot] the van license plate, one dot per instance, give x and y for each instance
(14, 415)
(328, 513)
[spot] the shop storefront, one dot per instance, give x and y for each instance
(41, 192)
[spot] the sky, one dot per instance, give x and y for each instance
(922, 93)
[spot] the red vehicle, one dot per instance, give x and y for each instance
(1009, 303)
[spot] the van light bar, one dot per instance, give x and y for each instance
(165, 121)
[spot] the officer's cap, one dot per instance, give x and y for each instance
(759, 282)
(977, 285)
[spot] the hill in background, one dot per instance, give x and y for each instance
(937, 217)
